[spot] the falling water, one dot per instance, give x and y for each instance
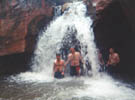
(51, 40)
(33, 85)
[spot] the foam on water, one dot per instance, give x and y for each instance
(105, 88)
(85, 88)
(98, 87)
(92, 88)
(50, 42)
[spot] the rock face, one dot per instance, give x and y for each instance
(20, 23)
(19, 26)
(114, 27)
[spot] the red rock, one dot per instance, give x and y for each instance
(101, 4)
(15, 47)
(14, 27)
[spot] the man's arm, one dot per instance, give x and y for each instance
(81, 58)
(64, 66)
(102, 61)
(117, 58)
(68, 60)
(108, 62)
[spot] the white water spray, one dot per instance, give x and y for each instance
(73, 19)
(50, 41)
(83, 88)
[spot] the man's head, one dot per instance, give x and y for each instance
(111, 50)
(58, 56)
(72, 50)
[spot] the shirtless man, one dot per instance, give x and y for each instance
(74, 59)
(113, 61)
(59, 67)
(113, 58)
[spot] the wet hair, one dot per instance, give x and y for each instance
(72, 48)
(57, 54)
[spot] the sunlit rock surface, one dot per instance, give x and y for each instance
(20, 24)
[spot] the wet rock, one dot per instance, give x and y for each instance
(65, 6)
(19, 27)
(113, 27)
(91, 10)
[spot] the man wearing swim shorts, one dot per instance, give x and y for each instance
(74, 59)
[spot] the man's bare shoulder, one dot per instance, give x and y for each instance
(55, 61)
(116, 54)
(78, 53)
(62, 61)
(70, 54)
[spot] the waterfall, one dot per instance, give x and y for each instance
(73, 19)
(71, 29)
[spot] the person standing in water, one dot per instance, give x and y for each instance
(113, 60)
(101, 61)
(59, 67)
(75, 59)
